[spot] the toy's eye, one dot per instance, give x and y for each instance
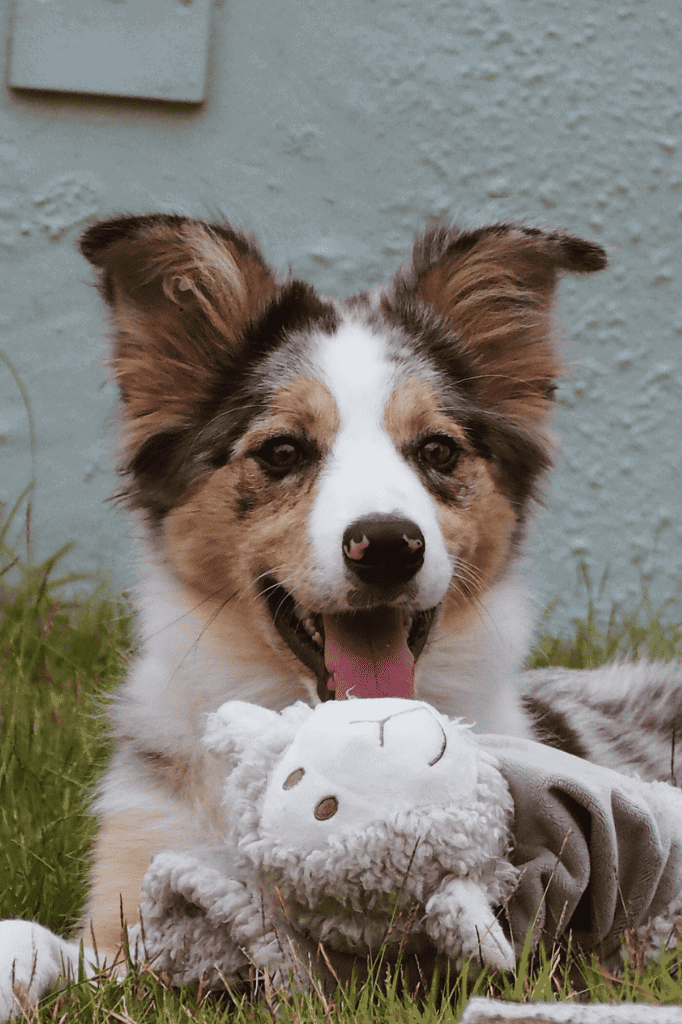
(294, 778)
(326, 808)
(439, 452)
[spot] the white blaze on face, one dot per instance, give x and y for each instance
(365, 473)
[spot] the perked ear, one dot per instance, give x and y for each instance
(493, 289)
(181, 292)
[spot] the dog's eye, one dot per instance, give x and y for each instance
(280, 455)
(439, 452)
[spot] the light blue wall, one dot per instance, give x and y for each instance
(334, 129)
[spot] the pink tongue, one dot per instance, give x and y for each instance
(367, 654)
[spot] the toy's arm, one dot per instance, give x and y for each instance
(460, 921)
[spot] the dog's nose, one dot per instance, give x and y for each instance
(384, 550)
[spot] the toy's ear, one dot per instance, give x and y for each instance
(236, 726)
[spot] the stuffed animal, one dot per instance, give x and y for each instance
(356, 824)
(379, 821)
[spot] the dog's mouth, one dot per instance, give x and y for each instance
(368, 653)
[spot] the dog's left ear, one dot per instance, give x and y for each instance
(493, 289)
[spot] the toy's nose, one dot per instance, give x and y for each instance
(383, 550)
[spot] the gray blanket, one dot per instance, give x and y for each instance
(600, 853)
(625, 715)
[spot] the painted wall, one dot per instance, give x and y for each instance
(334, 129)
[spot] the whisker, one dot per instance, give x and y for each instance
(194, 645)
(462, 568)
(194, 608)
(233, 409)
(470, 577)
(463, 585)
(184, 510)
(461, 589)
(497, 376)
(287, 581)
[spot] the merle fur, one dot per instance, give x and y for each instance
(168, 464)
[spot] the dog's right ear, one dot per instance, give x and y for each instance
(181, 292)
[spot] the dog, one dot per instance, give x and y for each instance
(331, 498)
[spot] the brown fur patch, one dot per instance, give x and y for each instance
(181, 293)
(413, 409)
(220, 556)
(503, 322)
(219, 549)
(125, 844)
(494, 289)
(303, 404)
(478, 522)
(478, 531)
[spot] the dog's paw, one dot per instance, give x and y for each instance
(31, 960)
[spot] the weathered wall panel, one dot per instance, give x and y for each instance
(334, 129)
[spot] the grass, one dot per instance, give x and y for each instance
(58, 662)
(650, 632)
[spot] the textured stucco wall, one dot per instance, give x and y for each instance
(334, 129)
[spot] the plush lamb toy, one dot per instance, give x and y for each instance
(343, 821)
(349, 821)
(346, 820)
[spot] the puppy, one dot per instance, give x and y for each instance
(330, 496)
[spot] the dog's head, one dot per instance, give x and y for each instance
(347, 468)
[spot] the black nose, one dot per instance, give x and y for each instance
(384, 550)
